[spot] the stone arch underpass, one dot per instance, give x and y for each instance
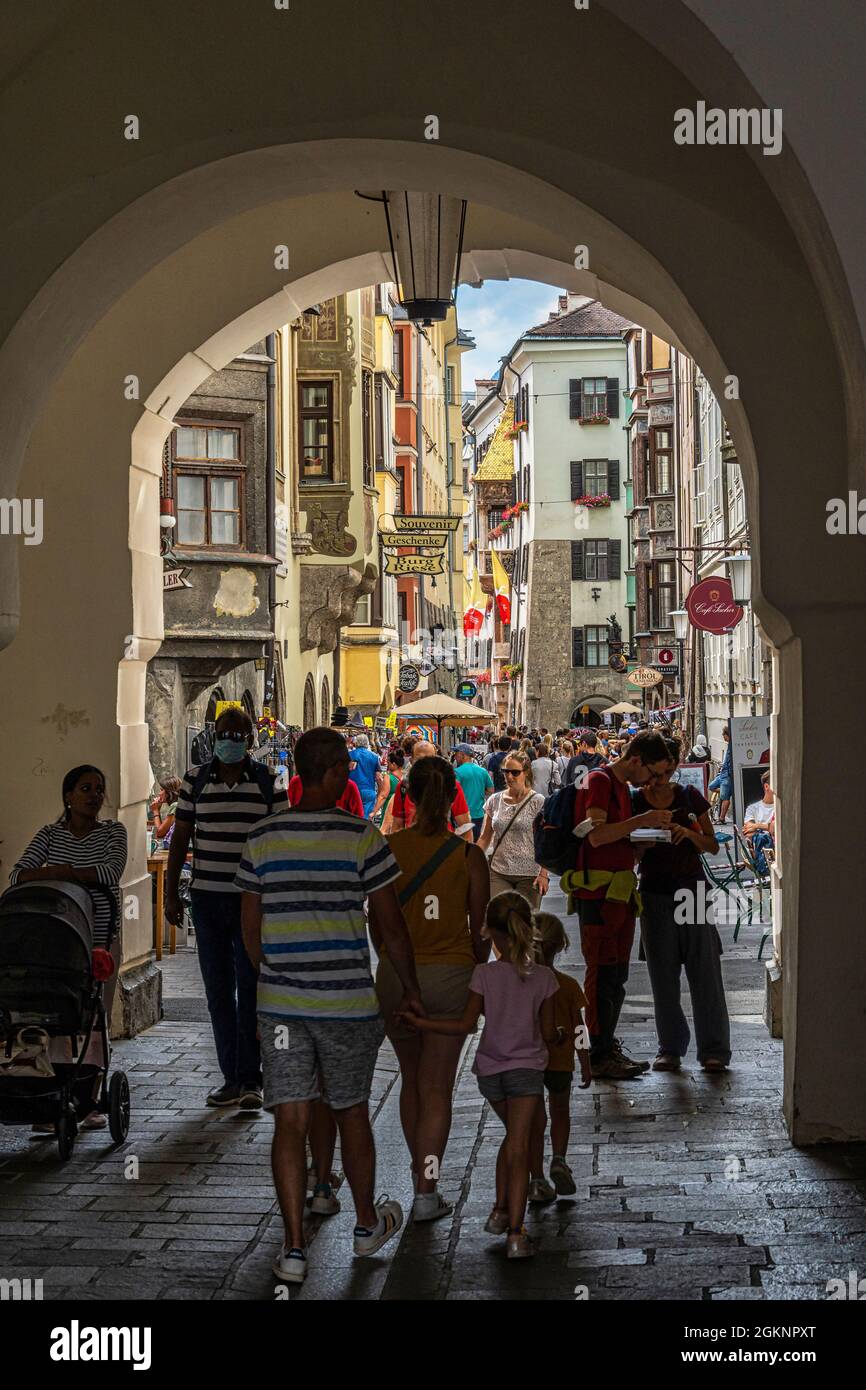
(167, 269)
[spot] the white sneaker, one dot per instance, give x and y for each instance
(390, 1216)
(430, 1206)
(323, 1202)
(291, 1266)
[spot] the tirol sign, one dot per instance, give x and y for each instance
(710, 606)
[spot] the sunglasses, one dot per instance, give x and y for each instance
(512, 771)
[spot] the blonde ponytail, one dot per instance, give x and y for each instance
(511, 914)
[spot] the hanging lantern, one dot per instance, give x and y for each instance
(425, 231)
(739, 569)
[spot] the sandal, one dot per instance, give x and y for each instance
(714, 1064)
(497, 1222)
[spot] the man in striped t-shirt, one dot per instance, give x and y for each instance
(305, 875)
(220, 807)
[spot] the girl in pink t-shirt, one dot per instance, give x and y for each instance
(516, 997)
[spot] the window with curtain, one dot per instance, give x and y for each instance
(594, 477)
(208, 484)
(665, 592)
(595, 645)
(595, 559)
(316, 425)
(594, 396)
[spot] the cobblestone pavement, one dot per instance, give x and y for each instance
(687, 1185)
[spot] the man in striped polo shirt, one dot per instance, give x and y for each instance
(305, 875)
(218, 807)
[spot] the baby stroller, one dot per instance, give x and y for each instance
(51, 987)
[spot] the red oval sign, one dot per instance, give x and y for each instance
(710, 606)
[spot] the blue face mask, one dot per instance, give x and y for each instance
(228, 751)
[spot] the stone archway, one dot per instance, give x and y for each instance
(733, 259)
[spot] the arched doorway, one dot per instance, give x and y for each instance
(165, 232)
(326, 701)
(587, 713)
(309, 703)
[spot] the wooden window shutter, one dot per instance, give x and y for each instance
(577, 646)
(575, 399)
(613, 397)
(525, 410)
(614, 559)
(576, 479)
(613, 479)
(577, 561)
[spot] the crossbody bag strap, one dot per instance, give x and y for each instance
(421, 876)
(527, 799)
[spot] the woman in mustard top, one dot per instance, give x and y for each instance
(444, 890)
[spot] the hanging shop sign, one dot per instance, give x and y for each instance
(427, 668)
(409, 679)
(643, 676)
(426, 521)
(426, 540)
(467, 690)
(618, 662)
(710, 606)
(175, 579)
(391, 721)
(415, 564)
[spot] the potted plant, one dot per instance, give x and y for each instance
(599, 418)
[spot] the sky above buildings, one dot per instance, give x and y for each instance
(496, 315)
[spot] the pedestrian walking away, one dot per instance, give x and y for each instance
(444, 889)
(506, 835)
(305, 876)
(217, 807)
(568, 1005)
(366, 772)
(675, 934)
(515, 994)
(475, 782)
(603, 889)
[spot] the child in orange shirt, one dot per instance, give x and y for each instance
(569, 1003)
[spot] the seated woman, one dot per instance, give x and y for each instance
(162, 810)
(80, 848)
(675, 929)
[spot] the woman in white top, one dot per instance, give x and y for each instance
(542, 770)
(507, 833)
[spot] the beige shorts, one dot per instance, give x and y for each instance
(444, 991)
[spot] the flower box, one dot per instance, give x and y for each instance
(602, 500)
(598, 419)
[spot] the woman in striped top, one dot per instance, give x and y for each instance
(80, 848)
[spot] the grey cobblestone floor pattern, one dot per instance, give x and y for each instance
(687, 1184)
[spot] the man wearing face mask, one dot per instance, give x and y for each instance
(217, 807)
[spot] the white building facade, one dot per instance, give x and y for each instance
(566, 379)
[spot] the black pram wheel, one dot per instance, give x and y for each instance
(66, 1129)
(118, 1107)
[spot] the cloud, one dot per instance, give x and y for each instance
(496, 315)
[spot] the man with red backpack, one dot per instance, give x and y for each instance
(604, 888)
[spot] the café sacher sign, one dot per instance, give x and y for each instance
(710, 606)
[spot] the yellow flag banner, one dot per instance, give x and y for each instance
(501, 587)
